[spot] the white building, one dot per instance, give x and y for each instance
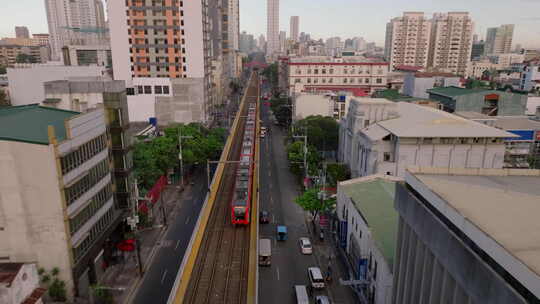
(56, 197)
(26, 81)
(79, 22)
(368, 232)
(416, 84)
(530, 78)
(321, 103)
(295, 28)
(408, 40)
(272, 27)
(477, 68)
(19, 284)
(354, 73)
(381, 138)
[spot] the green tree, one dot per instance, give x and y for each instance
(295, 154)
(25, 58)
(322, 132)
(3, 70)
(311, 200)
(336, 173)
(55, 287)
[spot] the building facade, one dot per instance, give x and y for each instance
(295, 28)
(407, 40)
(417, 84)
(470, 214)
(272, 27)
(56, 191)
(499, 39)
(84, 55)
(9, 53)
(530, 77)
(321, 103)
(336, 74)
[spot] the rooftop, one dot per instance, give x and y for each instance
(419, 121)
(394, 95)
(373, 197)
(496, 208)
(473, 115)
(29, 123)
(516, 123)
(409, 68)
(434, 74)
(8, 272)
(453, 91)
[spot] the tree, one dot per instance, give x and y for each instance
(56, 287)
(337, 173)
(312, 201)
(322, 132)
(3, 70)
(295, 154)
(25, 58)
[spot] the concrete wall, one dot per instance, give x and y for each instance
(193, 29)
(26, 84)
(31, 211)
(185, 106)
(311, 104)
(118, 30)
(433, 265)
(510, 104)
(24, 283)
(417, 86)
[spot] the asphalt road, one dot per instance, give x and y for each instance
(278, 190)
(159, 278)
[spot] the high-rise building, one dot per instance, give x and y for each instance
(79, 22)
(407, 40)
(478, 49)
(451, 41)
(22, 32)
(154, 53)
(499, 39)
(261, 43)
(272, 26)
(282, 40)
(295, 27)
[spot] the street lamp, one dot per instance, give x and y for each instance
(180, 154)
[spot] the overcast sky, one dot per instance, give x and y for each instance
(327, 18)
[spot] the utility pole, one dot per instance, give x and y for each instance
(133, 222)
(180, 154)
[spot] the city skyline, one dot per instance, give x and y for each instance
(371, 25)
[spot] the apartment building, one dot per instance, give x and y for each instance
(467, 236)
(407, 40)
(10, 52)
(156, 45)
(382, 137)
(451, 42)
(367, 231)
(56, 195)
(499, 39)
(312, 73)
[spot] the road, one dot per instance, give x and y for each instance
(159, 278)
(278, 189)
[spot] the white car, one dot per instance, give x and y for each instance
(305, 245)
(315, 277)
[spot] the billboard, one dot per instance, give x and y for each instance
(527, 135)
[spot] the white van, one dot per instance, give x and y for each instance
(301, 294)
(265, 252)
(315, 277)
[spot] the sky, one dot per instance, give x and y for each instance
(328, 18)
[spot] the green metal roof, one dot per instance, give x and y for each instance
(374, 199)
(454, 91)
(29, 123)
(394, 95)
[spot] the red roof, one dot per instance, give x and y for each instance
(34, 296)
(8, 272)
(409, 68)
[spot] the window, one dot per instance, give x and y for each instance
(309, 71)
(387, 157)
(130, 91)
(323, 71)
(344, 80)
(298, 80)
(140, 89)
(366, 80)
(331, 71)
(309, 80)
(344, 71)
(158, 89)
(316, 80)
(298, 72)
(316, 71)
(147, 89)
(379, 80)
(331, 80)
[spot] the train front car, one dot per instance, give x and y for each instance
(240, 206)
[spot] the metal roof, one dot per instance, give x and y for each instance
(496, 208)
(419, 121)
(453, 91)
(373, 196)
(516, 123)
(375, 132)
(29, 123)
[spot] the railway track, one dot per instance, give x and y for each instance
(221, 268)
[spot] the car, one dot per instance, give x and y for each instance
(315, 277)
(264, 217)
(322, 300)
(305, 245)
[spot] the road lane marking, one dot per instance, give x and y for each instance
(163, 276)
(277, 269)
(177, 243)
(187, 220)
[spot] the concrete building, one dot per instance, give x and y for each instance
(83, 55)
(150, 50)
(75, 23)
(368, 225)
(478, 50)
(272, 27)
(295, 28)
(247, 43)
(110, 95)
(485, 101)
(530, 77)
(467, 236)
(382, 137)
(56, 192)
(43, 39)
(321, 103)
(506, 60)
(476, 68)
(499, 39)
(9, 53)
(407, 40)
(19, 284)
(522, 151)
(417, 84)
(24, 77)
(22, 32)
(336, 74)
(451, 42)
(282, 41)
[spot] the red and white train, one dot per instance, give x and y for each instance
(243, 184)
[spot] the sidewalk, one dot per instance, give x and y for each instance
(125, 275)
(327, 256)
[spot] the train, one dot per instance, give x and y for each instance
(243, 184)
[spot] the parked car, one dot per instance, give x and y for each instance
(305, 245)
(264, 217)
